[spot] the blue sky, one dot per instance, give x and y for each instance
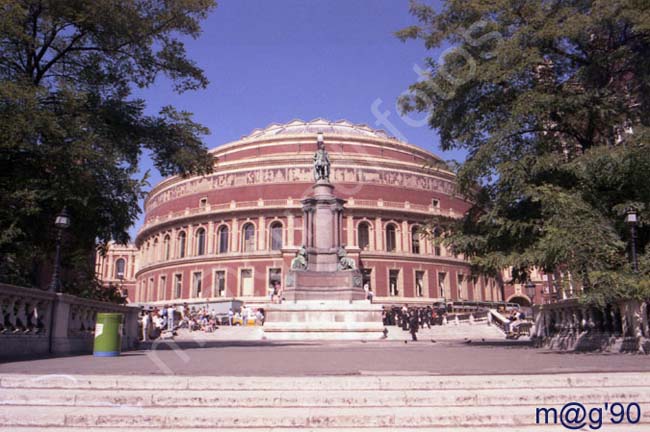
(271, 61)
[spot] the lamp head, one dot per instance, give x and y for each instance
(530, 289)
(631, 217)
(62, 220)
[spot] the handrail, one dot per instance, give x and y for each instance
(498, 319)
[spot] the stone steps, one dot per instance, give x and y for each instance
(450, 332)
(179, 403)
(317, 398)
(314, 417)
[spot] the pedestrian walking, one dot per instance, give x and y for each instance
(413, 325)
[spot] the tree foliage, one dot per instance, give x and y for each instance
(550, 99)
(71, 134)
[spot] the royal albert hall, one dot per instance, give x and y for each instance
(234, 232)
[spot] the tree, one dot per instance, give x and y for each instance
(71, 134)
(550, 99)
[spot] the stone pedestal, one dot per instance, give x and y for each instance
(322, 302)
(323, 217)
(323, 320)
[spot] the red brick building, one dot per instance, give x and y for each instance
(233, 232)
(118, 268)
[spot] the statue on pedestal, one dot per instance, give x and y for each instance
(321, 163)
(345, 262)
(300, 261)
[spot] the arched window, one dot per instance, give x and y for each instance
(415, 240)
(276, 236)
(120, 264)
(249, 238)
(166, 248)
(223, 235)
(154, 252)
(436, 239)
(200, 241)
(390, 238)
(363, 236)
(181, 244)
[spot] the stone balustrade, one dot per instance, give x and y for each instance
(28, 328)
(571, 325)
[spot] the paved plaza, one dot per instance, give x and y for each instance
(237, 352)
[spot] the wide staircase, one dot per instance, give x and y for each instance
(471, 403)
(461, 332)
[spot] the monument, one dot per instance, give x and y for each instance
(323, 294)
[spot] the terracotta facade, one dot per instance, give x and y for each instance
(230, 233)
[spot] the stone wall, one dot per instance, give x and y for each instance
(27, 326)
(570, 325)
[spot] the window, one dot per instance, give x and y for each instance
(461, 287)
(181, 244)
(276, 236)
(390, 238)
(150, 290)
(162, 288)
(435, 203)
(197, 279)
(178, 285)
(166, 248)
(220, 283)
(223, 239)
(415, 240)
(249, 237)
(275, 277)
(119, 268)
(246, 281)
(363, 236)
(200, 241)
(442, 284)
(203, 202)
(393, 277)
(419, 283)
(476, 289)
(436, 242)
(155, 252)
(366, 275)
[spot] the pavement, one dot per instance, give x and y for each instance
(241, 353)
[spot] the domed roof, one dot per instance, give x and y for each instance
(327, 127)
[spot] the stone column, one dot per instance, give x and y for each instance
(350, 228)
(261, 237)
(234, 233)
(191, 251)
(406, 237)
(379, 234)
(109, 264)
(210, 234)
(290, 230)
(174, 243)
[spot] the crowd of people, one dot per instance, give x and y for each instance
(411, 319)
(167, 320)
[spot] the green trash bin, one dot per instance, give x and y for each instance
(108, 335)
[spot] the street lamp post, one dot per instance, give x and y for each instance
(530, 291)
(61, 222)
(631, 219)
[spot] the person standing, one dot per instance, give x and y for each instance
(170, 318)
(413, 325)
(146, 326)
